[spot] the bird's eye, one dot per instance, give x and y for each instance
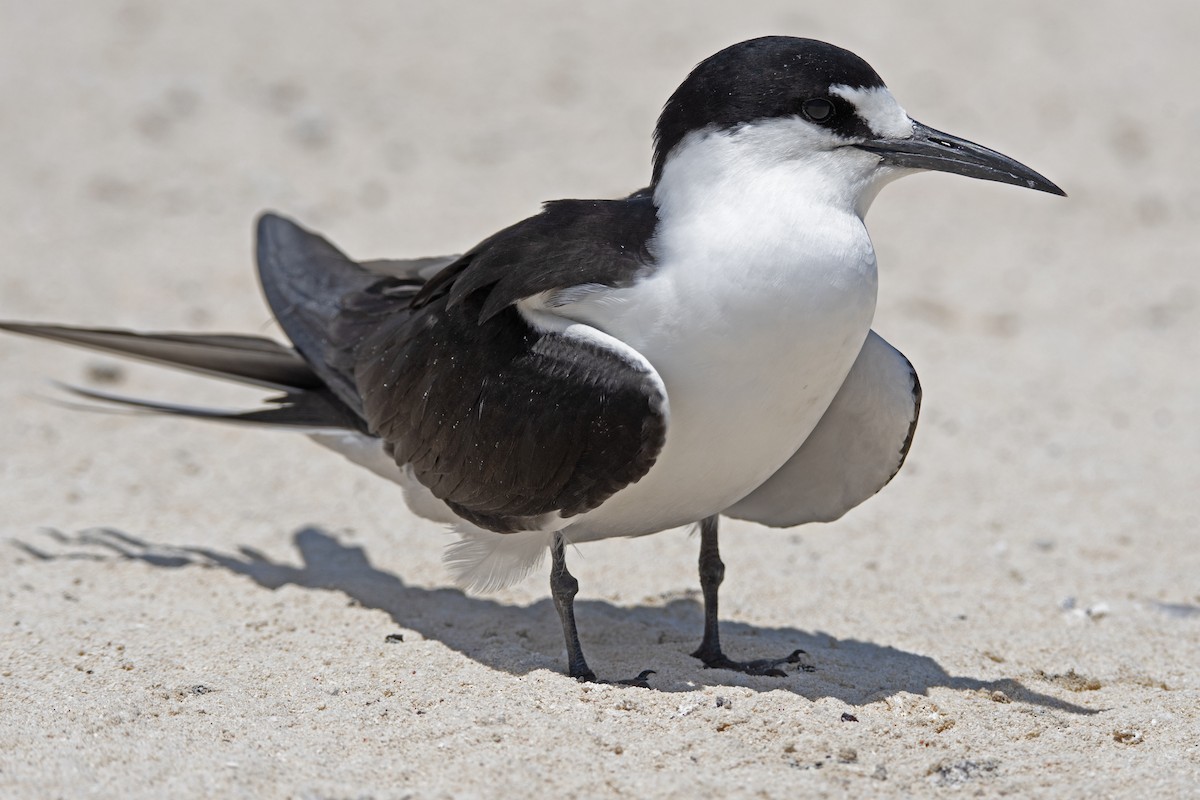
(818, 110)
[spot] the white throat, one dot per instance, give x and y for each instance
(799, 167)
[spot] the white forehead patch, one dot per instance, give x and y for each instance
(878, 109)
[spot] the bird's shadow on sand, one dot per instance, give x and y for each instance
(521, 639)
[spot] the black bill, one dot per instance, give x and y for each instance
(930, 149)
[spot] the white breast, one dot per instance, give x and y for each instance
(763, 296)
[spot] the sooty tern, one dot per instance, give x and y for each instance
(619, 367)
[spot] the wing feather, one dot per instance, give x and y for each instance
(504, 421)
(856, 449)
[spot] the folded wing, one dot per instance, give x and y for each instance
(856, 449)
(510, 422)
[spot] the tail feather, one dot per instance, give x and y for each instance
(246, 359)
(307, 403)
(304, 411)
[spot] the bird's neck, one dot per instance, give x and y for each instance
(752, 168)
(726, 203)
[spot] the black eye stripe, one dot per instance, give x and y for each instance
(818, 109)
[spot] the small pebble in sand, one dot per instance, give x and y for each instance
(1128, 736)
(104, 374)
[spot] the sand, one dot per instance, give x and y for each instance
(191, 611)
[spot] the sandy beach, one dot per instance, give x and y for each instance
(190, 610)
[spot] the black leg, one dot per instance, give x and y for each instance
(712, 572)
(563, 588)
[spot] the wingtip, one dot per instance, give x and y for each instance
(269, 222)
(1052, 188)
(273, 226)
(270, 233)
(270, 217)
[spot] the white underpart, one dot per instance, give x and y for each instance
(367, 451)
(878, 108)
(483, 561)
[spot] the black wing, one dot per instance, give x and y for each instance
(503, 421)
(572, 242)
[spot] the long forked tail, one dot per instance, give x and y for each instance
(305, 401)
(307, 281)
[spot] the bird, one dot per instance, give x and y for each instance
(702, 347)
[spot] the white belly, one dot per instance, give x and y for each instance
(751, 354)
